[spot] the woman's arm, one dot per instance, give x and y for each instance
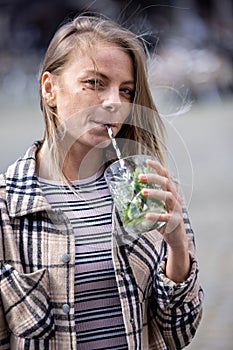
(173, 231)
(4, 335)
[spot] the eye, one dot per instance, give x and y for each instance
(128, 93)
(94, 83)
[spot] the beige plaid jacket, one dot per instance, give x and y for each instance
(37, 252)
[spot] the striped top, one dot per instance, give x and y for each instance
(98, 314)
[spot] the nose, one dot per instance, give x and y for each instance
(111, 101)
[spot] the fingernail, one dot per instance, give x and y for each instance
(142, 177)
(145, 192)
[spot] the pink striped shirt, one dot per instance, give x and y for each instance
(98, 314)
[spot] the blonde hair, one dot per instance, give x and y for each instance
(144, 125)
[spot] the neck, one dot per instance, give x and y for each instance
(76, 165)
(79, 166)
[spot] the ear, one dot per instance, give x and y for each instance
(48, 89)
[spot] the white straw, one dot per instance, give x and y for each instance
(118, 153)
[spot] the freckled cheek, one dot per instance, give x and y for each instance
(75, 104)
(69, 109)
(65, 101)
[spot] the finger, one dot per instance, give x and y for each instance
(172, 202)
(158, 167)
(159, 217)
(161, 195)
(166, 182)
(155, 179)
(171, 221)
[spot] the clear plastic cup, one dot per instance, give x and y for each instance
(125, 188)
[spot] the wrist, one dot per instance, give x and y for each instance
(178, 263)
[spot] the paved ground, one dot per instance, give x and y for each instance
(201, 145)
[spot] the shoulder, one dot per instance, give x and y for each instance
(2, 186)
(2, 180)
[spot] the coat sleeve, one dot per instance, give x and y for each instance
(177, 307)
(4, 335)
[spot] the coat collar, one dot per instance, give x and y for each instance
(23, 191)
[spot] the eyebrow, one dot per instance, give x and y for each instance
(102, 75)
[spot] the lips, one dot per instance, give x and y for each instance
(103, 124)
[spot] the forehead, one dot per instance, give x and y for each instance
(100, 55)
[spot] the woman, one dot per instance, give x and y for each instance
(70, 277)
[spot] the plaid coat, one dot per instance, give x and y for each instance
(37, 251)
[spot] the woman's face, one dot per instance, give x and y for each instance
(92, 91)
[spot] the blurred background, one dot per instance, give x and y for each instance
(191, 76)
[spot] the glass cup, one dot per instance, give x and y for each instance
(125, 188)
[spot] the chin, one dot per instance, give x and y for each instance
(103, 144)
